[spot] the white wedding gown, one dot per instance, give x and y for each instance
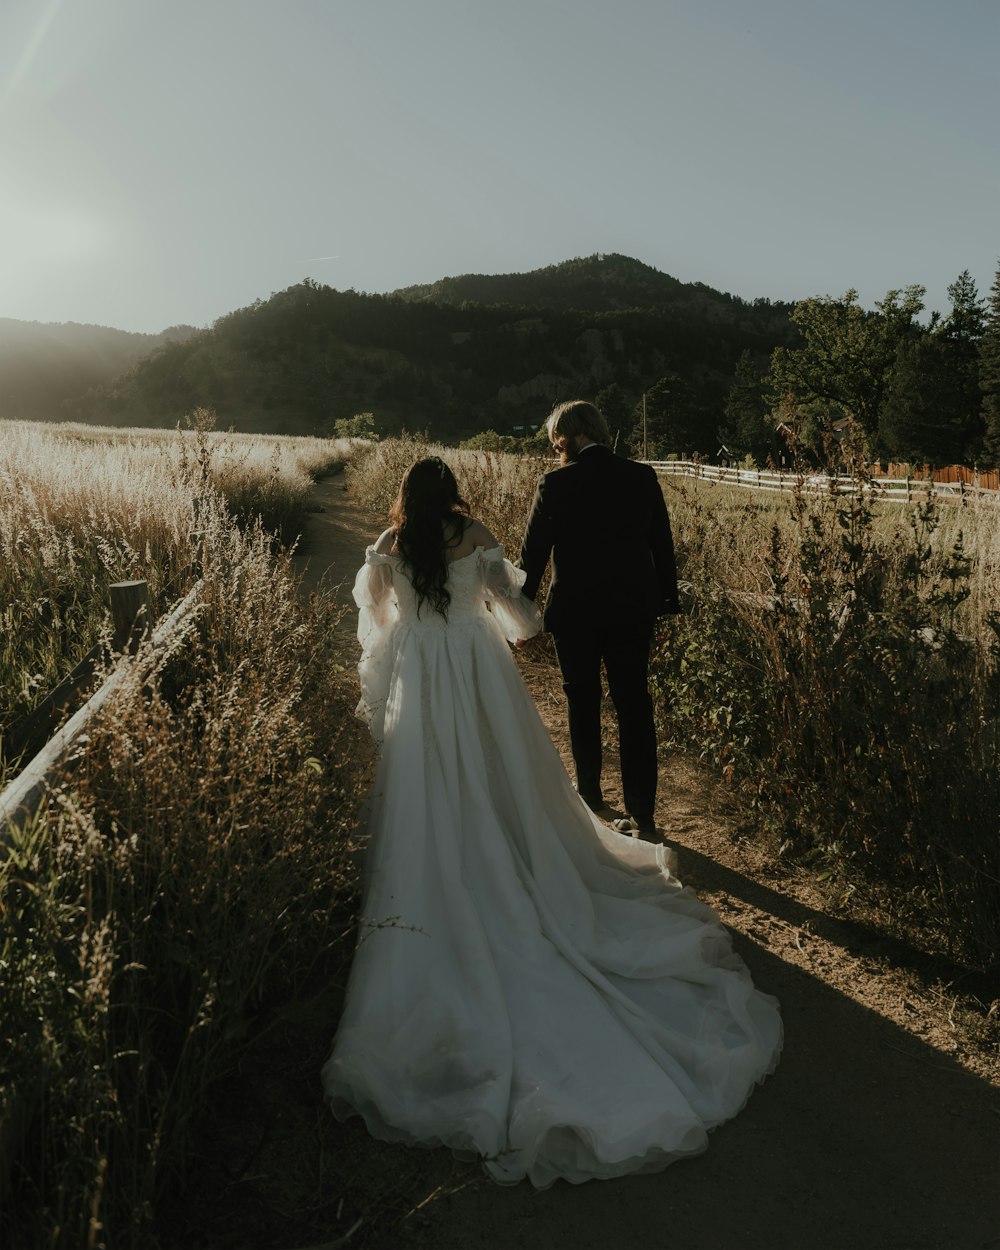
(529, 986)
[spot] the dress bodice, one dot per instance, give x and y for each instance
(384, 591)
(464, 584)
(486, 597)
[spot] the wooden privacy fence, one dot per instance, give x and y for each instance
(986, 479)
(882, 489)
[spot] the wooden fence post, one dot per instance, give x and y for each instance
(130, 611)
(197, 540)
(197, 536)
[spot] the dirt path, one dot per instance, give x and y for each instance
(877, 1132)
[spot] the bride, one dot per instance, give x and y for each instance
(529, 987)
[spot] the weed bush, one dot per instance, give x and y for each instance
(840, 666)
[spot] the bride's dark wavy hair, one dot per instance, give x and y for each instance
(427, 502)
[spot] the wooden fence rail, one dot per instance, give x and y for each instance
(21, 799)
(129, 608)
(882, 489)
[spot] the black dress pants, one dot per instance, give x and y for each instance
(623, 648)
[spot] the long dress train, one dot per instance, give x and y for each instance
(529, 986)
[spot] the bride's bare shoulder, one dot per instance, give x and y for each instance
(477, 535)
(472, 535)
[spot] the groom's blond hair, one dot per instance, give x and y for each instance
(578, 417)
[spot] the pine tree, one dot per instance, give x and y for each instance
(931, 412)
(989, 378)
(745, 428)
(925, 416)
(675, 421)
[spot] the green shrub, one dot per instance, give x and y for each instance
(848, 683)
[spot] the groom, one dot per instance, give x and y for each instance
(605, 524)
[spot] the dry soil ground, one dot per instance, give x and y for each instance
(878, 1131)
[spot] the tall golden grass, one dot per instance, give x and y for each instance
(190, 873)
(84, 506)
(497, 486)
(728, 532)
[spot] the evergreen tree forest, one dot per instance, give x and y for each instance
(989, 377)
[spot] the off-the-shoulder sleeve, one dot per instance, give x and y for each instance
(373, 592)
(516, 615)
(378, 616)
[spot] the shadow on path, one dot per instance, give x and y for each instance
(863, 1139)
(852, 936)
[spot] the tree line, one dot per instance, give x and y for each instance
(916, 393)
(919, 394)
(46, 367)
(677, 368)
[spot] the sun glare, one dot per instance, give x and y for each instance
(43, 234)
(72, 235)
(31, 48)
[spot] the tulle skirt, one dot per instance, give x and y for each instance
(529, 987)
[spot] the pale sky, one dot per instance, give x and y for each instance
(166, 161)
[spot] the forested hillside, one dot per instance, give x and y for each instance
(607, 282)
(674, 366)
(44, 365)
(465, 355)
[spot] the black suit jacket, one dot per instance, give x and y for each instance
(605, 524)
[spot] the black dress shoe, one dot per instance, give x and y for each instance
(642, 825)
(594, 801)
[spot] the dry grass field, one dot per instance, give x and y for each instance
(835, 666)
(84, 506)
(188, 874)
(839, 663)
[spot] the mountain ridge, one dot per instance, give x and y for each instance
(602, 282)
(454, 357)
